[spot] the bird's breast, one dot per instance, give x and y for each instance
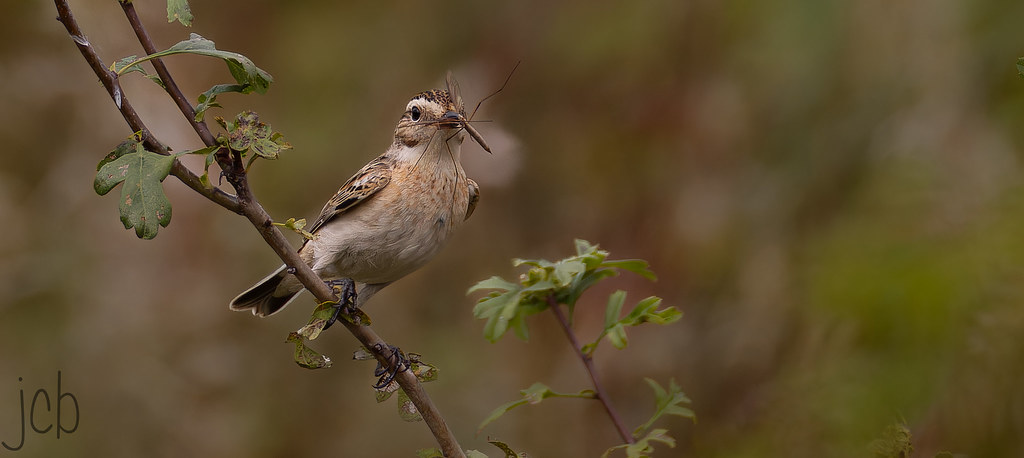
(396, 231)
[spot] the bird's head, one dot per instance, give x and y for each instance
(428, 114)
(436, 112)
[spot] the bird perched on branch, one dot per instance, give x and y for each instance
(393, 215)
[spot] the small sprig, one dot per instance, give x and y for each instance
(645, 311)
(297, 226)
(511, 302)
(550, 285)
(532, 395)
(668, 402)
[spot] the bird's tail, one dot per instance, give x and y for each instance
(263, 298)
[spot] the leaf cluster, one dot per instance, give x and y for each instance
(143, 205)
(563, 282)
(550, 284)
(251, 137)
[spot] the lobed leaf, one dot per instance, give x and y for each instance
(143, 204)
(129, 145)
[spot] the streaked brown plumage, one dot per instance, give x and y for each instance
(393, 215)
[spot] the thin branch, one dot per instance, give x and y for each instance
(247, 205)
(113, 87)
(161, 70)
(588, 362)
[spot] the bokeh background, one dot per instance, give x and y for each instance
(831, 191)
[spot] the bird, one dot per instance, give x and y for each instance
(393, 215)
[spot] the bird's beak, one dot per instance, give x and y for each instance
(455, 119)
(451, 119)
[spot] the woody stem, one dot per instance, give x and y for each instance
(588, 363)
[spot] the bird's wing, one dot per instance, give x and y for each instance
(474, 196)
(371, 178)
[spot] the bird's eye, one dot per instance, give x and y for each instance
(415, 112)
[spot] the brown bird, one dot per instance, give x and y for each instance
(394, 214)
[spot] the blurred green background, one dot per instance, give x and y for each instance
(831, 192)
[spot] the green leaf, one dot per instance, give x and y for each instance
(532, 395)
(568, 269)
(318, 320)
(616, 334)
(668, 403)
(383, 394)
(424, 371)
(646, 311)
(208, 99)
(494, 282)
(307, 357)
(297, 226)
(532, 262)
(1020, 67)
(644, 446)
(178, 10)
(129, 145)
(475, 454)
(565, 280)
(143, 204)
(242, 69)
(584, 247)
(614, 308)
(582, 283)
(210, 152)
(491, 308)
(637, 266)
(518, 325)
(406, 409)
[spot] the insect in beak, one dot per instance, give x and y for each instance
(457, 119)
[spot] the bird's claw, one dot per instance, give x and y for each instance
(346, 289)
(398, 364)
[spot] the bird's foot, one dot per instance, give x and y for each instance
(398, 364)
(346, 290)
